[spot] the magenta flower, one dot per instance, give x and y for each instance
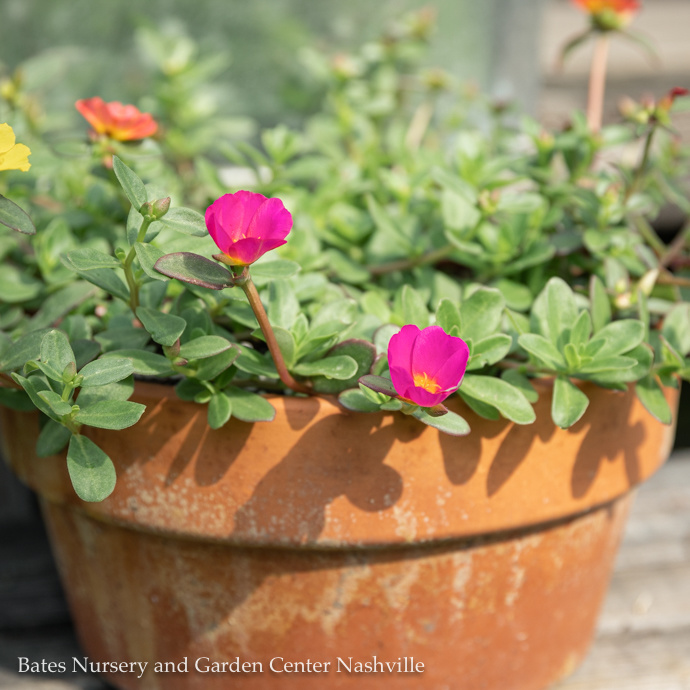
(246, 225)
(426, 365)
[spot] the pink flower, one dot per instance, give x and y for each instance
(246, 225)
(426, 365)
(117, 121)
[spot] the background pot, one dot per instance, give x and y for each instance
(325, 535)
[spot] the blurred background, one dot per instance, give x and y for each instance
(224, 67)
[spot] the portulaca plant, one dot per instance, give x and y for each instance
(382, 257)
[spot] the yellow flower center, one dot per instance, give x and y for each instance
(423, 380)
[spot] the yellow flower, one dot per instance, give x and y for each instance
(12, 156)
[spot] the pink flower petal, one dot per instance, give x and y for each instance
(271, 219)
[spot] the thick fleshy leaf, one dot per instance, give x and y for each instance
(274, 270)
(134, 188)
(92, 472)
(56, 354)
(55, 402)
(195, 270)
(600, 304)
(652, 397)
(248, 406)
(120, 390)
(164, 329)
(618, 337)
(568, 404)
(33, 385)
(353, 399)
(15, 217)
(60, 303)
(145, 363)
(543, 349)
(340, 367)
(52, 439)
(554, 312)
(28, 347)
(185, 220)
(148, 255)
(489, 351)
(102, 372)
(379, 384)
(507, 399)
(105, 278)
(522, 383)
(447, 315)
(253, 362)
(450, 423)
(362, 352)
(676, 328)
(414, 308)
(205, 346)
(219, 410)
(88, 259)
(110, 414)
(480, 314)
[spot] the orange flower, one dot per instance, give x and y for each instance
(117, 121)
(609, 15)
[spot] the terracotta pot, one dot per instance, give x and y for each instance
(330, 537)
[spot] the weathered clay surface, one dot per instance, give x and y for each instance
(327, 535)
(509, 614)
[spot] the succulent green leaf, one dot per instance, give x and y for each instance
(185, 220)
(110, 414)
(195, 270)
(676, 328)
(618, 337)
(581, 330)
(56, 354)
(522, 383)
(164, 329)
(134, 188)
(489, 351)
(219, 410)
(205, 346)
(92, 472)
(361, 351)
(253, 362)
(652, 397)
(274, 270)
(450, 423)
(147, 255)
(28, 347)
(353, 399)
(88, 259)
(15, 217)
(145, 363)
(248, 406)
(61, 303)
(340, 367)
(210, 367)
(283, 306)
(59, 407)
(554, 312)
(569, 403)
(447, 315)
(507, 399)
(119, 390)
(542, 349)
(104, 278)
(600, 304)
(379, 384)
(414, 308)
(102, 372)
(52, 439)
(480, 314)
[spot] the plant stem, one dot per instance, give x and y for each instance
(639, 172)
(245, 282)
(597, 82)
(404, 264)
(127, 267)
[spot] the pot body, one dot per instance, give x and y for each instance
(338, 550)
